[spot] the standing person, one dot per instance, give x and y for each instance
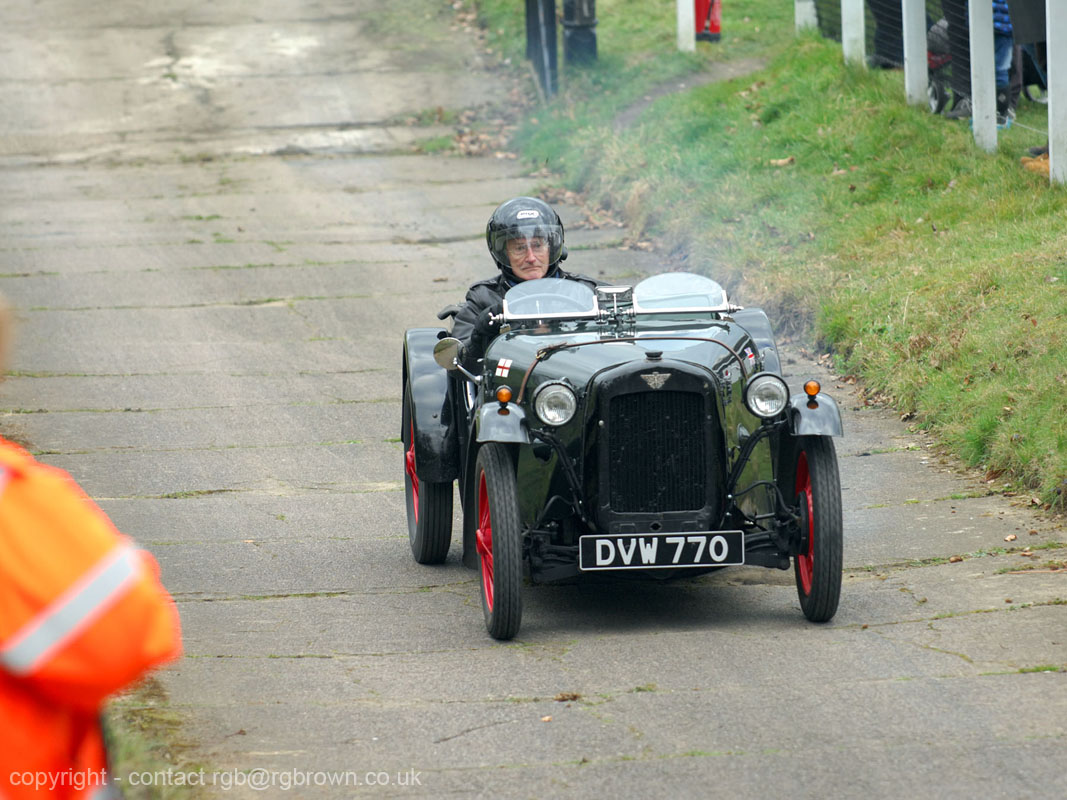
(525, 239)
(82, 616)
(1003, 52)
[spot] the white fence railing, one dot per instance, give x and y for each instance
(982, 70)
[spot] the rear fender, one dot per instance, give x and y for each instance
(818, 417)
(436, 446)
(758, 326)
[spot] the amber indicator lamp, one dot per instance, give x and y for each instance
(812, 388)
(503, 394)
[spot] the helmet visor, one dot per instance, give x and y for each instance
(516, 243)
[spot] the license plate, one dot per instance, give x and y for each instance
(661, 550)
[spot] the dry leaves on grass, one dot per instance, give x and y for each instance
(782, 162)
(592, 217)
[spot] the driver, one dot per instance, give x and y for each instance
(525, 238)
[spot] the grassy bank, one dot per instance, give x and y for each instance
(934, 271)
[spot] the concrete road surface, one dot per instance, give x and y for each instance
(215, 229)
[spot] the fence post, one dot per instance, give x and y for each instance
(804, 15)
(541, 42)
(1056, 35)
(983, 75)
(579, 31)
(853, 37)
(916, 68)
(687, 26)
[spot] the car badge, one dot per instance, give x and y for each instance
(655, 380)
(503, 367)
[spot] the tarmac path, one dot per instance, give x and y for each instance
(215, 230)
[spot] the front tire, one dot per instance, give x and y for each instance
(498, 541)
(818, 491)
(429, 504)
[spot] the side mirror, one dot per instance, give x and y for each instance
(446, 352)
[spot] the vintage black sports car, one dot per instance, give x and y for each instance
(643, 430)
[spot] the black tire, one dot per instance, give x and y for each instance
(429, 504)
(818, 490)
(936, 95)
(498, 540)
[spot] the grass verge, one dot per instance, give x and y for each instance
(934, 271)
(146, 747)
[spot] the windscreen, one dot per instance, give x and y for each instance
(549, 297)
(679, 290)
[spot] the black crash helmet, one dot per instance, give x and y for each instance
(524, 218)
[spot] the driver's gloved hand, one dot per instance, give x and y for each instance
(485, 328)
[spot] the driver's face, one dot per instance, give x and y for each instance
(528, 257)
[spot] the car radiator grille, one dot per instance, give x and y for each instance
(657, 459)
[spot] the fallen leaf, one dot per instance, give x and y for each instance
(1011, 537)
(955, 559)
(1008, 600)
(546, 719)
(782, 162)
(565, 697)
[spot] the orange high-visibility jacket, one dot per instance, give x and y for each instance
(82, 615)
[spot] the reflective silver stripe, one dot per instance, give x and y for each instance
(69, 612)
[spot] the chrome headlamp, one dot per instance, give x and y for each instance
(766, 395)
(555, 403)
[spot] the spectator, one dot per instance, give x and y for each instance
(1003, 51)
(82, 616)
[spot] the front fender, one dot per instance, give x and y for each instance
(821, 417)
(494, 426)
(436, 446)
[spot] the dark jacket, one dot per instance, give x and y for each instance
(485, 294)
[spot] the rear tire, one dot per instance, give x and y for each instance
(498, 540)
(818, 490)
(429, 504)
(936, 95)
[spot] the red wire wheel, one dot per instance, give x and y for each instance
(498, 540)
(429, 505)
(818, 493)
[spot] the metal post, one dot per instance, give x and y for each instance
(983, 75)
(579, 31)
(1056, 22)
(541, 41)
(916, 68)
(853, 36)
(804, 15)
(687, 26)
